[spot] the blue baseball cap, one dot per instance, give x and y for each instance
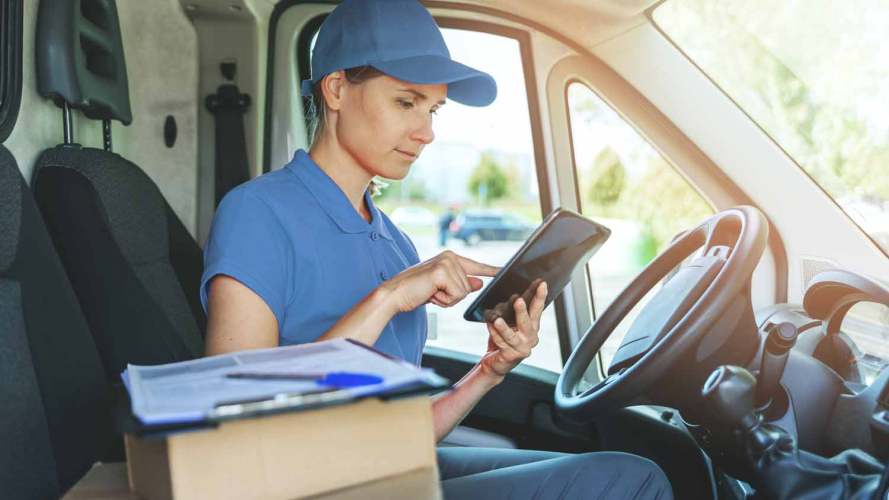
(399, 38)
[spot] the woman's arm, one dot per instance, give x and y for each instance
(239, 319)
(450, 408)
(443, 280)
(507, 347)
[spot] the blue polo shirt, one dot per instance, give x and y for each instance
(293, 238)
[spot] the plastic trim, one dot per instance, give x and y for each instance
(11, 21)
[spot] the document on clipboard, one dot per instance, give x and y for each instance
(264, 381)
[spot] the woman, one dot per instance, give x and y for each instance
(302, 254)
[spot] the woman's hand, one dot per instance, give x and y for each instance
(508, 346)
(442, 280)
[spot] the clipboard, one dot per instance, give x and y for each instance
(236, 408)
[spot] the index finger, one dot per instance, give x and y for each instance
(474, 268)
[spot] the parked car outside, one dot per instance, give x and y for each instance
(475, 227)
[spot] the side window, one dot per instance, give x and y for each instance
(628, 186)
(474, 189)
(10, 64)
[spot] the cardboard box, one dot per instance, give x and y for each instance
(323, 452)
(105, 481)
(108, 481)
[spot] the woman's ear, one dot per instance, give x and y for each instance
(332, 86)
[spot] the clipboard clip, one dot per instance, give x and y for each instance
(228, 410)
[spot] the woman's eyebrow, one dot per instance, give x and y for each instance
(421, 95)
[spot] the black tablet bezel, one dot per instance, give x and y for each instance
(471, 313)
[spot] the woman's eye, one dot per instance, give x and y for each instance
(405, 104)
(433, 111)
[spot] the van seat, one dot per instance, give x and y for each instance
(135, 268)
(55, 422)
(133, 265)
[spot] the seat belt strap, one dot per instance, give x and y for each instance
(228, 106)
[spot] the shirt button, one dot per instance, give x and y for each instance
(383, 276)
(374, 235)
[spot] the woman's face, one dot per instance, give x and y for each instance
(385, 123)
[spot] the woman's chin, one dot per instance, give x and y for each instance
(395, 172)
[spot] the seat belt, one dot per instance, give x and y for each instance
(228, 106)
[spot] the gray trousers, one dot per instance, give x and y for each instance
(496, 473)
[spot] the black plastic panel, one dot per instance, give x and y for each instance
(832, 293)
(10, 64)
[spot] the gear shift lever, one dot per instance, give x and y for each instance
(730, 392)
(777, 347)
(777, 469)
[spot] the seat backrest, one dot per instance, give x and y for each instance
(133, 265)
(56, 408)
(118, 238)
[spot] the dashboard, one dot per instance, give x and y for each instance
(836, 394)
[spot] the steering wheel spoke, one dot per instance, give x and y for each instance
(722, 233)
(608, 380)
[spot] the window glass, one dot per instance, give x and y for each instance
(813, 76)
(474, 189)
(867, 324)
(626, 185)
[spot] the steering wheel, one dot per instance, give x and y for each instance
(697, 293)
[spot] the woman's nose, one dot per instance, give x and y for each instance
(424, 133)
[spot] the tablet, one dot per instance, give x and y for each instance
(562, 242)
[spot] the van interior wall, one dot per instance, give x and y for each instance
(160, 47)
(232, 31)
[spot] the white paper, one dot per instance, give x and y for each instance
(189, 391)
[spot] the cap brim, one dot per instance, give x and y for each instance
(465, 85)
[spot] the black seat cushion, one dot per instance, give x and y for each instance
(45, 345)
(134, 267)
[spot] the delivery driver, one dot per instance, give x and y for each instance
(302, 254)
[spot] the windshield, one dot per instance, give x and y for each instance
(814, 75)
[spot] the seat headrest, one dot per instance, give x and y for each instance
(80, 58)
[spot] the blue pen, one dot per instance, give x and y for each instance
(332, 379)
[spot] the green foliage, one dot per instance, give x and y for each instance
(406, 190)
(489, 180)
(664, 203)
(645, 250)
(608, 177)
(660, 200)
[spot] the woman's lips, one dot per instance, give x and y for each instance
(407, 155)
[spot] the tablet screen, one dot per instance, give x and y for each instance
(563, 241)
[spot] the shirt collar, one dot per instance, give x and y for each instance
(332, 199)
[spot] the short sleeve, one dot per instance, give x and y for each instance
(248, 243)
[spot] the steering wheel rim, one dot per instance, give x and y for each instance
(748, 229)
